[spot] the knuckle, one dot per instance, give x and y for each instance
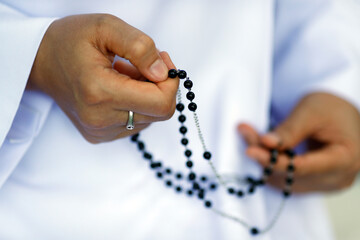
(349, 154)
(92, 140)
(286, 132)
(346, 184)
(88, 137)
(354, 152)
(91, 99)
(166, 110)
(91, 94)
(91, 121)
(141, 45)
(104, 20)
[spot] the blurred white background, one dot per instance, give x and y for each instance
(344, 211)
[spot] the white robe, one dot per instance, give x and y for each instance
(250, 61)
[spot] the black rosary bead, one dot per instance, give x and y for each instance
(188, 153)
(189, 164)
(168, 183)
(180, 107)
(251, 189)
(250, 180)
(203, 178)
(254, 231)
(289, 180)
(182, 74)
(240, 193)
(192, 176)
(182, 118)
(273, 159)
(168, 171)
(208, 204)
(141, 146)
(192, 106)
(286, 193)
(172, 73)
(291, 168)
(183, 129)
(147, 155)
(155, 165)
(207, 155)
(178, 188)
(201, 194)
(290, 153)
(274, 153)
(188, 84)
(134, 137)
(267, 171)
(159, 174)
(179, 176)
(196, 186)
(213, 186)
(189, 192)
(184, 141)
(260, 182)
(231, 190)
(190, 96)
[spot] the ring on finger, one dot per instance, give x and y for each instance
(130, 123)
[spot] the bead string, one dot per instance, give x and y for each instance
(202, 185)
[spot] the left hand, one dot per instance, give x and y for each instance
(331, 127)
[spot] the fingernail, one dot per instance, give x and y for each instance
(159, 70)
(273, 137)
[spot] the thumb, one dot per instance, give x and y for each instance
(132, 44)
(298, 126)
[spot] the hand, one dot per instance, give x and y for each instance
(74, 66)
(331, 127)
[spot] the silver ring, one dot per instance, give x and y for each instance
(130, 122)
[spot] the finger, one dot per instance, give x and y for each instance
(128, 69)
(99, 119)
(301, 124)
(329, 159)
(299, 185)
(170, 86)
(167, 60)
(146, 98)
(134, 45)
(320, 183)
(262, 156)
(249, 134)
(259, 154)
(108, 136)
(98, 135)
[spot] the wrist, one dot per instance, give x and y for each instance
(41, 71)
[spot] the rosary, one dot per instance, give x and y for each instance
(201, 185)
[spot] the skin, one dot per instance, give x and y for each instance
(331, 127)
(74, 65)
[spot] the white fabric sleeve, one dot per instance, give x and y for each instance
(20, 37)
(317, 48)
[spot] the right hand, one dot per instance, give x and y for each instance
(74, 66)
